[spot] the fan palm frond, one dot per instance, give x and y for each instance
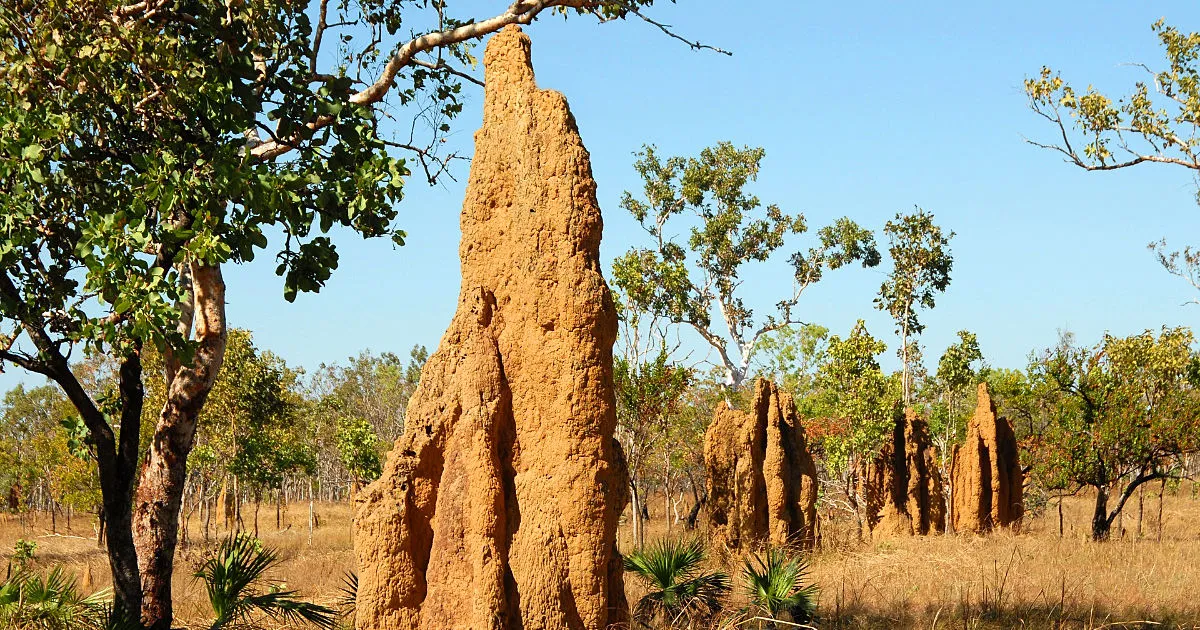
(679, 588)
(349, 597)
(776, 583)
(238, 589)
(50, 602)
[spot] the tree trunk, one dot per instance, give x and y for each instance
(310, 512)
(122, 555)
(117, 464)
(1060, 516)
(1100, 521)
(1161, 489)
(689, 522)
(164, 471)
(100, 527)
(904, 356)
(667, 492)
(635, 511)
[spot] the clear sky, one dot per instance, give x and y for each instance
(864, 109)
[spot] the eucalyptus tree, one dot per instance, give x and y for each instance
(858, 402)
(374, 388)
(1123, 413)
(956, 373)
(649, 394)
(790, 356)
(42, 465)
(1156, 123)
(921, 263)
(358, 447)
(147, 145)
(685, 281)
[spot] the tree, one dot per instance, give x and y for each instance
(358, 447)
(374, 388)
(1126, 411)
(858, 402)
(921, 264)
(42, 465)
(1155, 124)
(249, 431)
(148, 145)
(956, 374)
(648, 395)
(685, 282)
(790, 356)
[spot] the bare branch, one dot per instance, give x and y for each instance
(426, 156)
(666, 28)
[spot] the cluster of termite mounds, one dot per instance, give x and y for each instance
(986, 476)
(902, 489)
(498, 507)
(762, 482)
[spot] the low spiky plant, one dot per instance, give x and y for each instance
(50, 602)
(238, 589)
(679, 588)
(775, 583)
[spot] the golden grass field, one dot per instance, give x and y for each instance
(1029, 580)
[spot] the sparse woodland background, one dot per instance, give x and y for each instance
(148, 148)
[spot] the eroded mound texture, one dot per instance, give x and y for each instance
(985, 477)
(762, 483)
(902, 488)
(498, 506)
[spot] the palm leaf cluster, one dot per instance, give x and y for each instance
(679, 587)
(776, 585)
(239, 591)
(51, 602)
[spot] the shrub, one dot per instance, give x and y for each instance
(51, 602)
(679, 588)
(775, 584)
(238, 589)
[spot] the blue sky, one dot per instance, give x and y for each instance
(864, 109)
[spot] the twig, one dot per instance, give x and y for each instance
(666, 28)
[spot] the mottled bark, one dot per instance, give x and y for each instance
(164, 471)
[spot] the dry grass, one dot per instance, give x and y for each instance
(315, 571)
(1029, 580)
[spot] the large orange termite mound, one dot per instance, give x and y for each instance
(985, 478)
(498, 506)
(902, 488)
(762, 483)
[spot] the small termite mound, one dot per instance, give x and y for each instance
(985, 478)
(762, 482)
(901, 488)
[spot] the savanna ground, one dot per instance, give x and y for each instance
(1033, 579)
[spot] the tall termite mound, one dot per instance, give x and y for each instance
(762, 483)
(901, 488)
(498, 507)
(985, 477)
